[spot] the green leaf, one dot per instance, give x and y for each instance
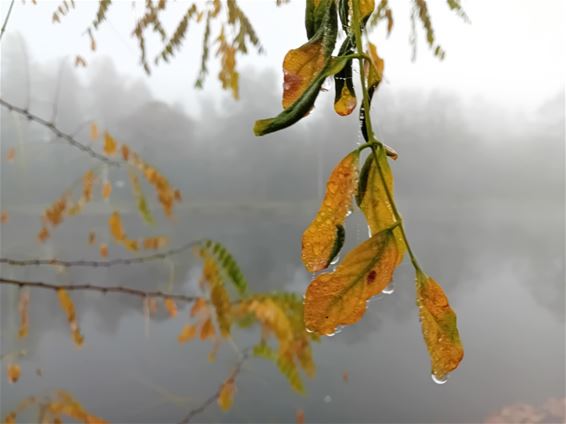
(227, 263)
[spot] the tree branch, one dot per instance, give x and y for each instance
(102, 289)
(200, 409)
(67, 137)
(6, 19)
(98, 264)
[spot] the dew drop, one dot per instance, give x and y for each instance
(327, 399)
(390, 289)
(369, 231)
(335, 260)
(439, 380)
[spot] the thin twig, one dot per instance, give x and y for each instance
(65, 136)
(98, 264)
(6, 19)
(102, 289)
(200, 409)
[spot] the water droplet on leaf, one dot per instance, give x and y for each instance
(439, 380)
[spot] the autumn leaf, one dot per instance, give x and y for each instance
(24, 315)
(207, 330)
(106, 190)
(4, 217)
(171, 307)
(373, 200)
(226, 394)
(116, 228)
(10, 154)
(339, 297)
(323, 238)
(187, 333)
(439, 327)
(68, 307)
(199, 305)
(345, 97)
(13, 373)
(300, 416)
(43, 234)
(366, 8)
(103, 250)
(110, 144)
(225, 262)
(376, 67)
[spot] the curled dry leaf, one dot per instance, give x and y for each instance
(439, 327)
(323, 238)
(339, 298)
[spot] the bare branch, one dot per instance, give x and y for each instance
(101, 289)
(6, 19)
(200, 409)
(98, 264)
(67, 137)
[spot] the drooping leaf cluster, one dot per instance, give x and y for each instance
(338, 297)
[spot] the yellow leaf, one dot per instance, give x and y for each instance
(366, 8)
(109, 144)
(226, 395)
(439, 327)
(106, 190)
(207, 330)
(300, 68)
(116, 228)
(375, 74)
(171, 307)
(13, 373)
(346, 101)
(323, 238)
(69, 308)
(339, 297)
(43, 234)
(187, 333)
(373, 200)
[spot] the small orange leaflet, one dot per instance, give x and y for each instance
(13, 373)
(199, 305)
(43, 234)
(10, 154)
(4, 217)
(187, 333)
(171, 307)
(103, 249)
(226, 395)
(207, 330)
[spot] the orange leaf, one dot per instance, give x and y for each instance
(207, 330)
(199, 305)
(171, 307)
(187, 333)
(439, 327)
(323, 238)
(94, 131)
(4, 217)
(345, 102)
(10, 154)
(13, 373)
(300, 416)
(366, 8)
(226, 395)
(125, 152)
(116, 228)
(346, 376)
(43, 234)
(103, 249)
(339, 297)
(67, 305)
(23, 311)
(109, 144)
(300, 68)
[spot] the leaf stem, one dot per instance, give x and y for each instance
(373, 143)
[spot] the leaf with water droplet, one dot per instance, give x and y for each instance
(339, 297)
(373, 200)
(439, 327)
(345, 97)
(324, 237)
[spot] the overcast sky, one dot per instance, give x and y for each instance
(512, 53)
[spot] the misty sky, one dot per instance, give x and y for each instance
(512, 53)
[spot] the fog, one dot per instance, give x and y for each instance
(480, 186)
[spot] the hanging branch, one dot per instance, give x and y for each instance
(102, 289)
(99, 264)
(200, 409)
(60, 134)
